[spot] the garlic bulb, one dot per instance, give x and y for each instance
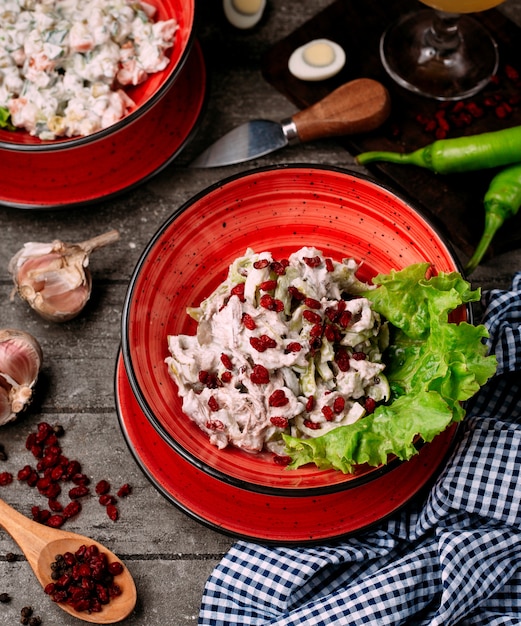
(54, 278)
(20, 362)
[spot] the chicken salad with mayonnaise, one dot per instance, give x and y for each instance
(284, 346)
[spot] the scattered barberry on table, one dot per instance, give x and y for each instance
(102, 487)
(124, 491)
(502, 98)
(52, 471)
(6, 478)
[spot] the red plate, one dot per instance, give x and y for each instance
(279, 209)
(264, 518)
(103, 168)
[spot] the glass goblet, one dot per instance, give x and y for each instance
(441, 53)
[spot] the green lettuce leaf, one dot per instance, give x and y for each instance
(433, 365)
(5, 119)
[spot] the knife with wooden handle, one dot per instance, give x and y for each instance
(358, 106)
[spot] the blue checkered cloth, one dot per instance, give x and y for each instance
(454, 558)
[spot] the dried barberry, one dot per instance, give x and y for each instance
(257, 344)
(331, 333)
(279, 267)
(270, 303)
(112, 512)
(54, 468)
(278, 398)
(213, 404)
(314, 261)
(328, 413)
(369, 405)
(311, 316)
(226, 376)
(339, 404)
(124, 490)
(268, 285)
(78, 492)
(312, 303)
(6, 478)
(279, 421)
(283, 460)
(85, 579)
(345, 319)
(262, 343)
(238, 290)
(260, 375)
(226, 361)
(55, 521)
(296, 293)
(342, 359)
(248, 321)
(106, 499)
(102, 487)
(72, 509)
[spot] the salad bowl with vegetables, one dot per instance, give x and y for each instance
(74, 73)
(301, 329)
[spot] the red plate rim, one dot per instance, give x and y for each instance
(260, 517)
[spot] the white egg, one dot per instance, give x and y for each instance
(244, 13)
(317, 60)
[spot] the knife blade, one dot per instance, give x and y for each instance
(358, 106)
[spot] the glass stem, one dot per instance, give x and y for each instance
(444, 34)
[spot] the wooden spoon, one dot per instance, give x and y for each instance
(41, 544)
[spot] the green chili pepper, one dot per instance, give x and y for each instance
(459, 154)
(502, 201)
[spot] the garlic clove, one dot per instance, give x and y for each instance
(5, 405)
(54, 277)
(20, 362)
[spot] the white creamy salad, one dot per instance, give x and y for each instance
(63, 63)
(282, 346)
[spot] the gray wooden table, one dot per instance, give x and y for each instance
(169, 554)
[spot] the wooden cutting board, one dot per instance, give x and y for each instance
(454, 202)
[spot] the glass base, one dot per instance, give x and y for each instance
(461, 69)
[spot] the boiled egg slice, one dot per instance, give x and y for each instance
(243, 13)
(317, 60)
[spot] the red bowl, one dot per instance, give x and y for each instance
(145, 95)
(279, 209)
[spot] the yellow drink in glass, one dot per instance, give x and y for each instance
(462, 6)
